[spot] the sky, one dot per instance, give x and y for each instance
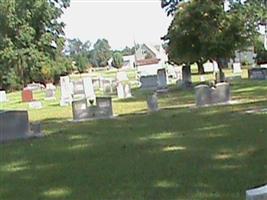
(121, 22)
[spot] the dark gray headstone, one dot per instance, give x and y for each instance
(13, 125)
(79, 109)
(222, 93)
(257, 73)
(104, 107)
(162, 79)
(149, 82)
(203, 95)
(152, 103)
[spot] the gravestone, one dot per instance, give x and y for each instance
(120, 91)
(88, 88)
(202, 78)
(121, 76)
(104, 107)
(215, 66)
(50, 92)
(257, 73)
(162, 79)
(79, 109)
(14, 125)
(78, 89)
(259, 193)
(208, 67)
(26, 95)
(96, 83)
(221, 94)
(127, 91)
(3, 97)
(34, 86)
(149, 82)
(108, 85)
(203, 95)
(35, 105)
(123, 91)
(66, 91)
(237, 69)
(152, 103)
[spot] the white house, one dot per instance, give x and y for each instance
(150, 58)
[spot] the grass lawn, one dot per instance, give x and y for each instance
(181, 152)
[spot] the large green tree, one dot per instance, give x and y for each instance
(203, 30)
(101, 53)
(117, 60)
(31, 39)
(79, 52)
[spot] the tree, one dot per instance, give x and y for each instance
(117, 60)
(79, 52)
(101, 53)
(202, 31)
(30, 36)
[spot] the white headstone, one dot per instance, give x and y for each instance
(263, 66)
(3, 97)
(127, 90)
(237, 68)
(179, 73)
(122, 76)
(88, 88)
(259, 193)
(35, 105)
(66, 91)
(120, 91)
(215, 66)
(208, 67)
(202, 78)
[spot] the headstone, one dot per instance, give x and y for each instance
(208, 67)
(35, 105)
(36, 130)
(259, 193)
(104, 107)
(222, 93)
(78, 88)
(162, 79)
(14, 125)
(27, 95)
(149, 82)
(3, 97)
(179, 73)
(122, 76)
(202, 78)
(237, 69)
(120, 91)
(203, 95)
(257, 73)
(215, 66)
(152, 103)
(79, 109)
(127, 90)
(263, 65)
(66, 91)
(107, 85)
(50, 92)
(88, 88)
(35, 86)
(96, 83)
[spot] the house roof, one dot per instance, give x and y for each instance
(150, 61)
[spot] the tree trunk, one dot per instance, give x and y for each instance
(186, 74)
(200, 67)
(220, 76)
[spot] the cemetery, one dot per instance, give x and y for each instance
(142, 138)
(177, 115)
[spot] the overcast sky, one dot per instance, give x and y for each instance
(119, 21)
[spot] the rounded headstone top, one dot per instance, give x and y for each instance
(201, 86)
(222, 84)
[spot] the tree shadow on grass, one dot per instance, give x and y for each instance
(171, 154)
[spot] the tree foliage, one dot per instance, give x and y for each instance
(117, 60)
(31, 41)
(203, 30)
(101, 53)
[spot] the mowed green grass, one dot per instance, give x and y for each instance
(181, 152)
